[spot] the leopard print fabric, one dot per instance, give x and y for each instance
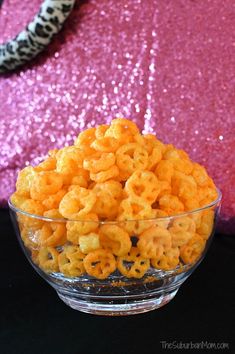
(37, 35)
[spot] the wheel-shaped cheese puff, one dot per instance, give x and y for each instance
(150, 142)
(48, 259)
(106, 144)
(32, 207)
(107, 202)
(143, 184)
(71, 261)
(75, 229)
(77, 203)
(180, 160)
(134, 208)
(115, 239)
(197, 217)
(24, 181)
(165, 188)
(53, 201)
(89, 242)
(37, 196)
(69, 160)
(80, 178)
(182, 229)
(164, 170)
(184, 186)
(133, 265)
(154, 158)
(17, 199)
(183, 223)
(85, 139)
(206, 195)
(180, 238)
(100, 264)
(171, 204)
(131, 157)
(99, 162)
(200, 175)
(153, 146)
(45, 183)
(103, 176)
(136, 227)
(49, 164)
(207, 223)
(168, 261)
(112, 187)
(53, 234)
(122, 129)
(53, 214)
(190, 252)
(154, 241)
(183, 165)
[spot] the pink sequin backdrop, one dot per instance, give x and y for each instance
(168, 65)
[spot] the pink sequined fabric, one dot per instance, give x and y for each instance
(168, 65)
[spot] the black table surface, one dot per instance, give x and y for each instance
(35, 321)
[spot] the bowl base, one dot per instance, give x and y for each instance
(110, 308)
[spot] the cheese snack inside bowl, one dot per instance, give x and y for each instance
(116, 222)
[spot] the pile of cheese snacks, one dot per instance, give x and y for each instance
(116, 200)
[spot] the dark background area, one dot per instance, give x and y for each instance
(35, 321)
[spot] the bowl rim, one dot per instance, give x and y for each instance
(112, 222)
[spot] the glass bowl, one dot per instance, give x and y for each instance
(147, 277)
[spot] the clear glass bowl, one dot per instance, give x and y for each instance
(137, 285)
